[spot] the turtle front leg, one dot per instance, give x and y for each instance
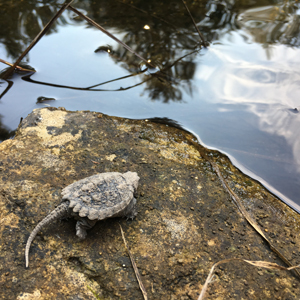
(82, 226)
(129, 211)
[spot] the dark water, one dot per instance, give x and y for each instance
(240, 95)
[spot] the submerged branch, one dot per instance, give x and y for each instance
(120, 78)
(28, 79)
(200, 34)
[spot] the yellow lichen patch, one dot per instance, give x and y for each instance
(5, 145)
(54, 119)
(176, 190)
(147, 247)
(36, 295)
(187, 290)
(179, 152)
(24, 185)
(175, 194)
(177, 230)
(211, 243)
(284, 281)
(50, 161)
(110, 157)
(80, 282)
(55, 151)
(124, 127)
(18, 144)
(180, 227)
(10, 220)
(62, 281)
(267, 293)
(61, 139)
(7, 218)
(169, 149)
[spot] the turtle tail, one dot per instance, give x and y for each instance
(59, 212)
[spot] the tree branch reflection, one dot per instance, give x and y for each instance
(91, 88)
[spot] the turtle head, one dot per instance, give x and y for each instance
(132, 178)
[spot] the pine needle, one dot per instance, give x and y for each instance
(260, 264)
(136, 271)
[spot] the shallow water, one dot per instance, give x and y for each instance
(240, 95)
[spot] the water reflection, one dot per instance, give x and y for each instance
(271, 24)
(5, 133)
(250, 81)
(21, 21)
(269, 89)
(157, 35)
(285, 123)
(171, 30)
(162, 44)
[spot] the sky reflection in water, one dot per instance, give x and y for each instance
(239, 95)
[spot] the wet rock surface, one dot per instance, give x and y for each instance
(186, 221)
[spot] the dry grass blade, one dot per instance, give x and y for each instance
(109, 34)
(17, 67)
(136, 271)
(200, 34)
(260, 264)
(37, 38)
(252, 222)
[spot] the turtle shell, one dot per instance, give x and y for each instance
(102, 195)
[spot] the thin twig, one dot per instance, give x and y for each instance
(17, 67)
(120, 78)
(200, 34)
(136, 271)
(37, 38)
(260, 264)
(109, 34)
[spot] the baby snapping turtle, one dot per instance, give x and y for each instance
(98, 197)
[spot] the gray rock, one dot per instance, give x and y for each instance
(98, 197)
(187, 220)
